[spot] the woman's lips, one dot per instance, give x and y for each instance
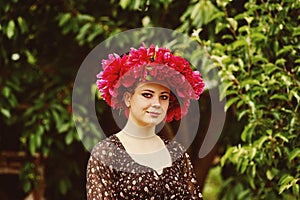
(154, 114)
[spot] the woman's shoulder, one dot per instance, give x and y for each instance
(106, 146)
(176, 149)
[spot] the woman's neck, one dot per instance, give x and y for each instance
(134, 130)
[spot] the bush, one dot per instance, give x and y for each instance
(256, 49)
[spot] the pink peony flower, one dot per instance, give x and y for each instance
(150, 64)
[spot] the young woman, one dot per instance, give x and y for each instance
(152, 86)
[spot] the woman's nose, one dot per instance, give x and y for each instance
(156, 102)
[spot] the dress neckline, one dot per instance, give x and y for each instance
(156, 173)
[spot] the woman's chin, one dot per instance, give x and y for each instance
(155, 121)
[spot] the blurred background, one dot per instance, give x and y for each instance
(254, 45)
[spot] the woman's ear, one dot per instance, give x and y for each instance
(126, 98)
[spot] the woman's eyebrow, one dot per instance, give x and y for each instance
(151, 91)
(147, 90)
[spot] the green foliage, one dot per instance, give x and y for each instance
(198, 14)
(28, 176)
(254, 44)
(257, 53)
(42, 46)
(35, 89)
(213, 184)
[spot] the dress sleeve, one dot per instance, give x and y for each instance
(190, 178)
(99, 175)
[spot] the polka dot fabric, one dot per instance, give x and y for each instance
(113, 174)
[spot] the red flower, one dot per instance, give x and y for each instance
(163, 56)
(176, 79)
(128, 79)
(146, 64)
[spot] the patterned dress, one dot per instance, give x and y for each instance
(113, 174)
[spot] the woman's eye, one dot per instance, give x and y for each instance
(164, 97)
(147, 95)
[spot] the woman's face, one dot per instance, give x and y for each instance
(148, 104)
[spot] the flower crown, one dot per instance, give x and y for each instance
(120, 73)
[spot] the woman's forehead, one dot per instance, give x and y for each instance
(158, 87)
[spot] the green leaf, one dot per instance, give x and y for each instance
(220, 26)
(63, 127)
(297, 61)
(45, 151)
(230, 102)
(285, 179)
(270, 68)
(281, 136)
(233, 23)
(124, 3)
(227, 155)
(285, 183)
(5, 112)
(10, 31)
(285, 49)
(296, 189)
(244, 194)
(13, 101)
(196, 10)
(270, 174)
(280, 61)
(279, 151)
(64, 18)
(30, 57)
(96, 32)
(296, 31)
(239, 43)
(69, 138)
(295, 153)
(40, 130)
(249, 82)
(223, 3)
(149, 78)
(295, 94)
(249, 19)
(253, 152)
(223, 89)
(258, 36)
(244, 28)
(6, 91)
(83, 32)
(253, 173)
(57, 120)
(258, 143)
(23, 25)
(32, 144)
(63, 185)
(252, 107)
(244, 165)
(27, 186)
(85, 18)
(276, 114)
(279, 96)
(257, 59)
(241, 114)
(38, 141)
(247, 132)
